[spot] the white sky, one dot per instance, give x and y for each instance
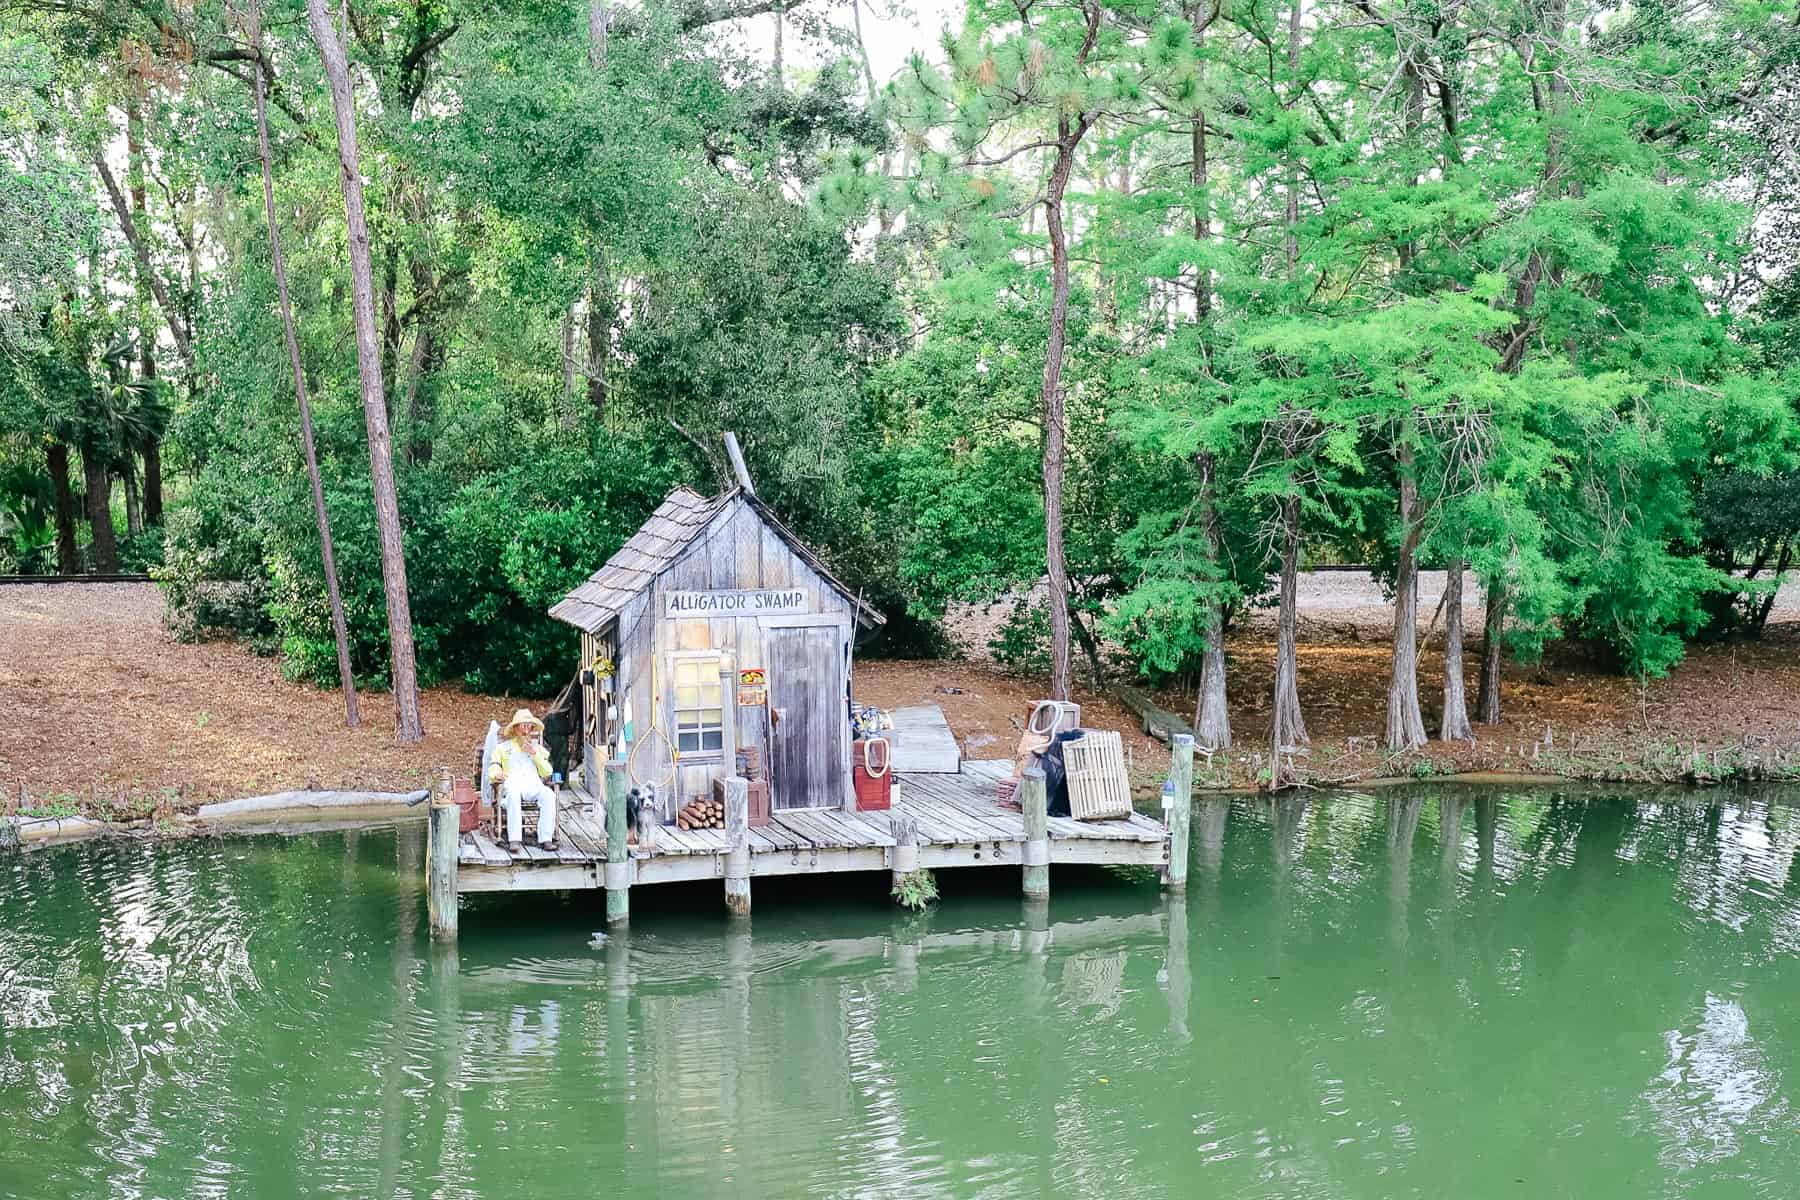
(892, 30)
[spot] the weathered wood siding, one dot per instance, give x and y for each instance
(737, 551)
(808, 759)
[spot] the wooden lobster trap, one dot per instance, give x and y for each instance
(1099, 787)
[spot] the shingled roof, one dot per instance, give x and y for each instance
(682, 517)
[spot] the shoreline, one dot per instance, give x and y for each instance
(382, 809)
(279, 813)
(150, 727)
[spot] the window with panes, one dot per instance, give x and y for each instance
(699, 705)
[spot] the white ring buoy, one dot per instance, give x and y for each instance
(887, 756)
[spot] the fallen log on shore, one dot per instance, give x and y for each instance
(1158, 722)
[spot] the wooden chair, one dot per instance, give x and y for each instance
(490, 794)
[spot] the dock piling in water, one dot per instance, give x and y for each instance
(1034, 800)
(618, 855)
(1181, 812)
(903, 859)
(443, 835)
(737, 845)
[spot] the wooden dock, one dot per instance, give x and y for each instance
(957, 818)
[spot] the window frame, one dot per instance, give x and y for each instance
(677, 659)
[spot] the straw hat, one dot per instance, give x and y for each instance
(522, 717)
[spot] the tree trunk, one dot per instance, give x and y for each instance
(599, 331)
(1548, 102)
(597, 23)
(409, 724)
(321, 516)
(1212, 715)
(421, 391)
(104, 551)
(1405, 724)
(1291, 242)
(1058, 569)
(1768, 602)
(1455, 727)
(1487, 690)
(134, 507)
(600, 292)
(427, 361)
(780, 37)
(141, 254)
(391, 332)
(1202, 221)
(68, 552)
(153, 487)
(1287, 727)
(151, 448)
(1091, 650)
(569, 417)
(868, 66)
(134, 183)
(190, 314)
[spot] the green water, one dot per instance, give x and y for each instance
(1431, 993)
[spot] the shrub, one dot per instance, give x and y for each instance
(486, 557)
(1022, 644)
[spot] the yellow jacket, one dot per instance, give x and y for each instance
(503, 759)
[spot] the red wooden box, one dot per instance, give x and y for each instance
(758, 797)
(871, 760)
(467, 800)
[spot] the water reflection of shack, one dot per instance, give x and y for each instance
(713, 631)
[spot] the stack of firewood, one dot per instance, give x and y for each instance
(701, 814)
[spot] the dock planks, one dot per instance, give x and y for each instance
(960, 822)
(923, 743)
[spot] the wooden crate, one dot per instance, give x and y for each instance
(1098, 785)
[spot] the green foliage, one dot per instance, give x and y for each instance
(485, 559)
(1022, 643)
(1536, 305)
(915, 890)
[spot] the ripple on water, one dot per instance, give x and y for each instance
(1365, 991)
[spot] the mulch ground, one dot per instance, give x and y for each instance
(96, 698)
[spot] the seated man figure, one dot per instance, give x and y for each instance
(519, 769)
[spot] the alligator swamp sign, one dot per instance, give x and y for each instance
(738, 602)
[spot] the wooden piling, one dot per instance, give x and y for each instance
(737, 845)
(1034, 801)
(907, 941)
(1176, 975)
(903, 859)
(443, 836)
(1181, 811)
(618, 856)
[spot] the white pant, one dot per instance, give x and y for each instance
(514, 792)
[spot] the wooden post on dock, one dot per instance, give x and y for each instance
(1034, 801)
(903, 859)
(737, 845)
(444, 834)
(618, 855)
(1180, 816)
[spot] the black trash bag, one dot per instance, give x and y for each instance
(562, 729)
(1056, 774)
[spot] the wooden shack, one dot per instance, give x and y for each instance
(715, 629)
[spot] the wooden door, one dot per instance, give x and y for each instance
(806, 690)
